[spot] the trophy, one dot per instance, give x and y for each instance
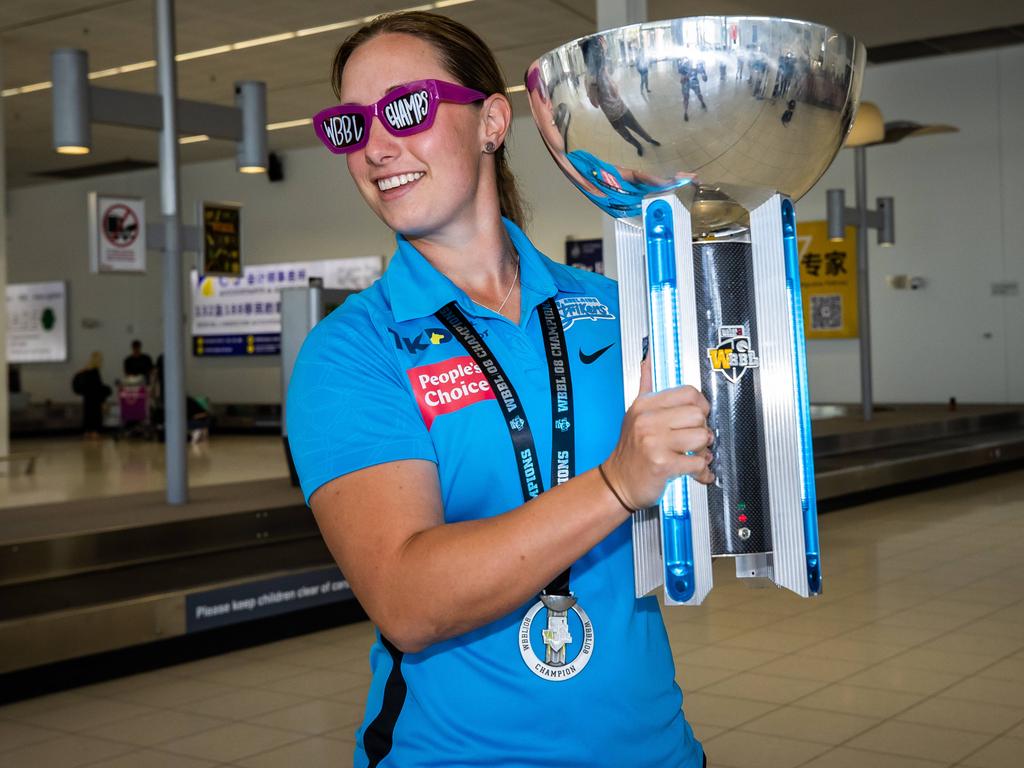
(697, 135)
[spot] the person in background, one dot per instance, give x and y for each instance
(197, 409)
(197, 414)
(604, 94)
(690, 76)
(644, 68)
(138, 363)
(88, 383)
(158, 379)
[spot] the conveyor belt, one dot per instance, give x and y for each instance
(84, 549)
(95, 575)
(90, 576)
(183, 574)
(877, 468)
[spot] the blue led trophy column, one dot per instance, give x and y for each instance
(665, 341)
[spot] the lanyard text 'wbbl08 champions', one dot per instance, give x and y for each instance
(556, 596)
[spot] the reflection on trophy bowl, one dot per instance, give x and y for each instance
(726, 110)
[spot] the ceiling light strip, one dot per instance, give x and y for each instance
(289, 124)
(33, 87)
(327, 28)
(203, 53)
(256, 41)
(151, 64)
(104, 73)
(239, 46)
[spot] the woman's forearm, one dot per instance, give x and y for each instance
(453, 578)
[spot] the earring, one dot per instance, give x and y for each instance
(489, 148)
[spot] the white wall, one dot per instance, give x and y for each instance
(959, 203)
(959, 223)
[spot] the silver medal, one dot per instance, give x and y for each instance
(563, 658)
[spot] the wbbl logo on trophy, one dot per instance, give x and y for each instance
(733, 355)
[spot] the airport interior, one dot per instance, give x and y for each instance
(171, 230)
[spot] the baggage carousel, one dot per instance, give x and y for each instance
(96, 575)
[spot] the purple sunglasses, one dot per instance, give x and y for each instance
(408, 109)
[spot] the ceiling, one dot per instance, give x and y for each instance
(119, 32)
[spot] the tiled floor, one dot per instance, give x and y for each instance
(914, 658)
(68, 468)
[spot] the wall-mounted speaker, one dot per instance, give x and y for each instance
(275, 168)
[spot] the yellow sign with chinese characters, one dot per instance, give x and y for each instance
(828, 281)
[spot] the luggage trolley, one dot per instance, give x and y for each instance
(133, 399)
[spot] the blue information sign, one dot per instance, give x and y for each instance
(235, 344)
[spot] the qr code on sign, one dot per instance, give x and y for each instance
(826, 312)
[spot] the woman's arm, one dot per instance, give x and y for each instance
(423, 581)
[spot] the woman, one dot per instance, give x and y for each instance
(427, 414)
(89, 384)
(605, 95)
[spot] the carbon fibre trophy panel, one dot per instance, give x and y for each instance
(726, 321)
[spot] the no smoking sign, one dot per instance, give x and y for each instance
(120, 226)
(117, 233)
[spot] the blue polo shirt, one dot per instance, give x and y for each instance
(380, 380)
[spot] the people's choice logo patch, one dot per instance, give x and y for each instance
(448, 386)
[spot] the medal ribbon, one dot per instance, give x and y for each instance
(563, 428)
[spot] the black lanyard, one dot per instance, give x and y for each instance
(563, 429)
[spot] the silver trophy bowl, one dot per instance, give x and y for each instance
(725, 110)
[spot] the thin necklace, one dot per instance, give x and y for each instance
(507, 295)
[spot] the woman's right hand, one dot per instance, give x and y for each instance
(664, 436)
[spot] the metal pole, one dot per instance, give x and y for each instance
(5, 418)
(860, 166)
(174, 352)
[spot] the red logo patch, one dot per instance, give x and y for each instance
(448, 386)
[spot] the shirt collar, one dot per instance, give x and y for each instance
(417, 289)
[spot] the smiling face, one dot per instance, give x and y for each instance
(420, 184)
